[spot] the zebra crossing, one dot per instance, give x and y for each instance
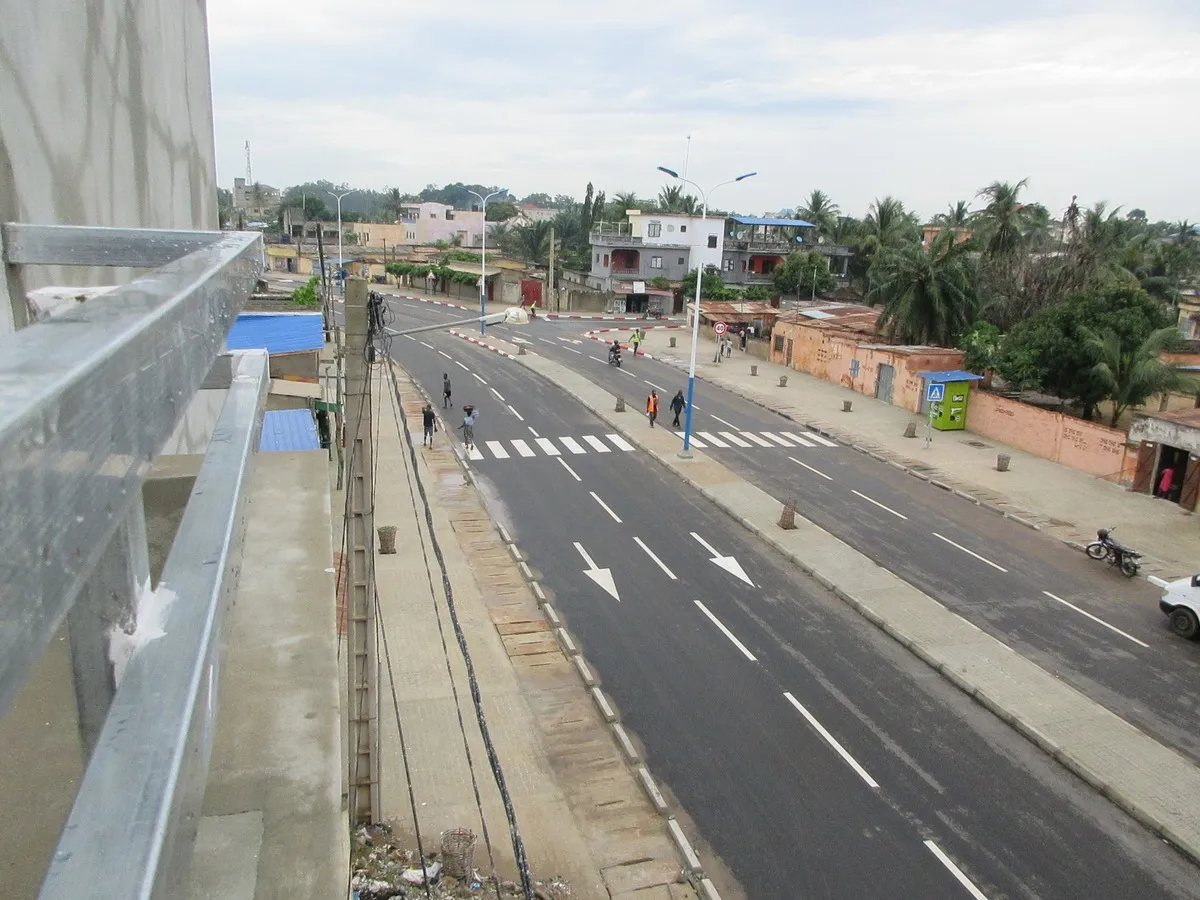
(566, 447)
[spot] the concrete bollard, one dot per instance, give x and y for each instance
(910, 430)
(787, 518)
(1002, 460)
(620, 405)
(520, 349)
(783, 381)
(387, 539)
(672, 342)
(754, 370)
(846, 404)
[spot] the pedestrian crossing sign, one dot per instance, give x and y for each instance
(936, 392)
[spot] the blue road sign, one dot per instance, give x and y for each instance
(936, 392)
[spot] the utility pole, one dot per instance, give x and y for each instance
(550, 279)
(363, 671)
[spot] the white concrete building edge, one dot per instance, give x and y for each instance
(677, 229)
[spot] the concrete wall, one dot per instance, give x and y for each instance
(105, 119)
(578, 300)
(1086, 446)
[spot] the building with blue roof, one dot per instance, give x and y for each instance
(288, 430)
(294, 342)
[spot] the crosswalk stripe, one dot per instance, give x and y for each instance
(547, 446)
(619, 442)
(777, 439)
(598, 445)
(712, 438)
(734, 439)
(523, 448)
(474, 453)
(497, 449)
(792, 436)
(820, 440)
(571, 444)
(751, 436)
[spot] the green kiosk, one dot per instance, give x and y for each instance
(946, 396)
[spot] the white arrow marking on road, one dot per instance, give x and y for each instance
(728, 563)
(602, 577)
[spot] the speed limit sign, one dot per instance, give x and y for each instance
(720, 328)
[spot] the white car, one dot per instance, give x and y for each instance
(1181, 604)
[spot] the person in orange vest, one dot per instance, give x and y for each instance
(652, 407)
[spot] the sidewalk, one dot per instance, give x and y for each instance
(1061, 501)
(579, 807)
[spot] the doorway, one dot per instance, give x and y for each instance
(1175, 460)
(884, 380)
(788, 354)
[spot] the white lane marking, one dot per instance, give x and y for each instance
(969, 552)
(445, 354)
(718, 418)
(1084, 612)
(725, 631)
(832, 741)
(880, 505)
(659, 562)
(598, 445)
(523, 448)
(587, 559)
(477, 378)
(955, 871)
(598, 359)
(653, 385)
(620, 442)
(778, 440)
(571, 444)
(497, 449)
(547, 446)
(792, 436)
(461, 366)
(627, 372)
(810, 468)
(548, 341)
(705, 544)
(410, 337)
(569, 469)
(573, 350)
(515, 413)
(820, 440)
(606, 507)
(499, 396)
(734, 439)
(712, 438)
(751, 436)
(427, 344)
(531, 431)
(474, 453)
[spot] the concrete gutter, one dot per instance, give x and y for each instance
(1153, 783)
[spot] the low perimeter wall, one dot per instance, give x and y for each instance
(1087, 446)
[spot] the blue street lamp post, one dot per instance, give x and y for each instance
(686, 452)
(483, 257)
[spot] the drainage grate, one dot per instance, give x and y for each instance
(980, 444)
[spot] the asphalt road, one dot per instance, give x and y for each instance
(816, 757)
(1074, 616)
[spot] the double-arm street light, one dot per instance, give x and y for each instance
(341, 259)
(686, 452)
(483, 256)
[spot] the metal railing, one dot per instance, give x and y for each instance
(87, 400)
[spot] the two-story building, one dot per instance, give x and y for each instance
(754, 247)
(430, 222)
(653, 245)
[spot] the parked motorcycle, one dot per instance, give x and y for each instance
(614, 358)
(1106, 547)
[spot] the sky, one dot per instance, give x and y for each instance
(928, 100)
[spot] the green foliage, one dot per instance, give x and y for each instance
(820, 211)
(928, 297)
(461, 256)
(662, 283)
(712, 286)
(306, 294)
(500, 210)
(758, 292)
(418, 271)
(981, 347)
(1132, 374)
(1052, 351)
(799, 272)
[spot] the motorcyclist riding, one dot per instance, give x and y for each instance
(614, 352)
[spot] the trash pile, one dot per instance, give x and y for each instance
(383, 869)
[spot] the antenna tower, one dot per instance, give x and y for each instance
(249, 174)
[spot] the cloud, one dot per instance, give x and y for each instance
(926, 101)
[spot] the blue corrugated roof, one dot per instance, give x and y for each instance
(285, 430)
(953, 375)
(277, 333)
(751, 220)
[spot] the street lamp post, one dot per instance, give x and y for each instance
(686, 452)
(483, 257)
(341, 259)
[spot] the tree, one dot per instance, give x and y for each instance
(800, 271)
(392, 205)
(981, 346)
(928, 296)
(957, 215)
(500, 211)
(889, 224)
(712, 287)
(759, 292)
(587, 212)
(539, 199)
(1131, 374)
(1002, 221)
(532, 242)
(820, 211)
(661, 283)
(622, 201)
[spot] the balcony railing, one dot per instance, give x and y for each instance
(618, 240)
(626, 270)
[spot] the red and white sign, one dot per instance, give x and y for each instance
(720, 328)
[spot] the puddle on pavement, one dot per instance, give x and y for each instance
(453, 479)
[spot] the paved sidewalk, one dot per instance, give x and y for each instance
(1153, 783)
(1061, 501)
(580, 808)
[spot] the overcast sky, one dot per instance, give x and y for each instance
(928, 100)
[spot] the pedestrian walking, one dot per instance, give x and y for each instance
(728, 347)
(1165, 482)
(652, 407)
(636, 340)
(743, 340)
(678, 404)
(445, 390)
(468, 427)
(429, 420)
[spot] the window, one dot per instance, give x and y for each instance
(654, 229)
(682, 229)
(597, 257)
(712, 242)
(681, 260)
(670, 228)
(450, 215)
(411, 236)
(606, 260)
(656, 262)
(779, 342)
(727, 265)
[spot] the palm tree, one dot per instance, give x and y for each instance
(957, 215)
(820, 211)
(1004, 220)
(928, 297)
(621, 202)
(888, 223)
(531, 242)
(392, 203)
(1132, 376)
(670, 198)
